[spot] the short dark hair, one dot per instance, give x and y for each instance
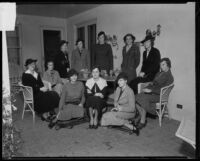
(47, 62)
(79, 40)
(94, 67)
(122, 75)
(131, 35)
(63, 42)
(102, 33)
(72, 72)
(167, 60)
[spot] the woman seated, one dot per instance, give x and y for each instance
(151, 94)
(96, 92)
(44, 101)
(52, 76)
(124, 102)
(71, 101)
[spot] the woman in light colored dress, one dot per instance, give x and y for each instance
(124, 102)
(71, 101)
(52, 76)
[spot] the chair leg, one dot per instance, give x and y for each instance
(33, 117)
(23, 110)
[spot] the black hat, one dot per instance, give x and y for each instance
(72, 72)
(148, 37)
(29, 61)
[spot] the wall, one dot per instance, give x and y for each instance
(32, 38)
(177, 40)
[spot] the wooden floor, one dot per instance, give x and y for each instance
(154, 141)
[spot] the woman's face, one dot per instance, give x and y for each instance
(163, 66)
(80, 45)
(122, 82)
(101, 39)
(64, 48)
(129, 40)
(147, 44)
(73, 78)
(32, 66)
(50, 65)
(95, 73)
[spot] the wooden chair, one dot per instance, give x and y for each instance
(161, 106)
(28, 101)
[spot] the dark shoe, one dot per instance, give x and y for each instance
(58, 127)
(52, 124)
(95, 126)
(141, 125)
(91, 126)
(52, 117)
(135, 129)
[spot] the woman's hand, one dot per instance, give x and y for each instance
(146, 90)
(43, 89)
(80, 104)
(99, 95)
(141, 74)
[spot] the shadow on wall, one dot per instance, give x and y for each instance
(187, 150)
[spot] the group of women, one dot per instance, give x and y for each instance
(72, 96)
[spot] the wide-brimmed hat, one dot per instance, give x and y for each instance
(148, 37)
(29, 61)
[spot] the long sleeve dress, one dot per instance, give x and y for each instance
(102, 56)
(72, 95)
(54, 78)
(126, 101)
(147, 100)
(93, 101)
(43, 101)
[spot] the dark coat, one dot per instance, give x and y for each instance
(151, 64)
(80, 61)
(102, 56)
(130, 62)
(43, 101)
(61, 63)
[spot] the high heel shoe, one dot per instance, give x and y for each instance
(91, 126)
(135, 130)
(141, 125)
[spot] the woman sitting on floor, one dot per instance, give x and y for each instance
(96, 92)
(151, 94)
(52, 76)
(124, 102)
(71, 101)
(44, 101)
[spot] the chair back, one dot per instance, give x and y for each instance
(27, 93)
(164, 93)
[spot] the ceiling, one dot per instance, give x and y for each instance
(54, 10)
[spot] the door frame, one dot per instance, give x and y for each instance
(53, 28)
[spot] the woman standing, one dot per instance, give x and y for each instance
(102, 55)
(71, 101)
(80, 57)
(96, 92)
(44, 101)
(62, 64)
(52, 76)
(131, 57)
(124, 102)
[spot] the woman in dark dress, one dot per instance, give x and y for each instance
(102, 55)
(44, 101)
(96, 92)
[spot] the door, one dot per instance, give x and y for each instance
(91, 39)
(51, 40)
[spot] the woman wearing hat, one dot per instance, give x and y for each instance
(102, 55)
(61, 62)
(131, 57)
(124, 102)
(44, 101)
(71, 101)
(150, 64)
(80, 57)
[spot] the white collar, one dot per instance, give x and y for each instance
(34, 73)
(101, 83)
